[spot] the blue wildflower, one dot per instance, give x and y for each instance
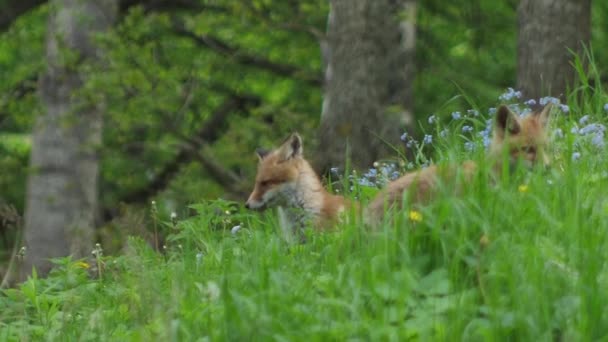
(598, 140)
(510, 95)
(394, 175)
(373, 172)
(403, 136)
(486, 141)
(456, 115)
(432, 119)
(564, 108)
(584, 119)
(469, 146)
(444, 133)
(530, 102)
(428, 139)
(491, 110)
(576, 156)
(548, 99)
(467, 129)
(592, 128)
(365, 182)
(334, 170)
(558, 133)
(473, 112)
(606, 107)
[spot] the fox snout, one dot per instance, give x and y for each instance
(254, 204)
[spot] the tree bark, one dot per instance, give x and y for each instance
(369, 61)
(62, 194)
(547, 30)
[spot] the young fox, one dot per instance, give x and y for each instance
(287, 180)
(522, 139)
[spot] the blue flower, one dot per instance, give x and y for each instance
(576, 156)
(467, 129)
(598, 140)
(491, 110)
(592, 128)
(334, 170)
(456, 115)
(558, 133)
(486, 141)
(584, 119)
(394, 175)
(403, 136)
(530, 102)
(365, 182)
(565, 109)
(469, 146)
(510, 95)
(432, 119)
(544, 100)
(373, 172)
(444, 133)
(428, 139)
(473, 112)
(606, 107)
(410, 144)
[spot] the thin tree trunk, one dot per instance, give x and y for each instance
(369, 67)
(547, 30)
(62, 194)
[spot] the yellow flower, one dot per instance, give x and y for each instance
(82, 264)
(522, 188)
(415, 216)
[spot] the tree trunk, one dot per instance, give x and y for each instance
(62, 192)
(547, 30)
(369, 60)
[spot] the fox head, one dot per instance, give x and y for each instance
(523, 139)
(277, 175)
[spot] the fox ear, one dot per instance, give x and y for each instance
(291, 148)
(506, 121)
(261, 153)
(543, 115)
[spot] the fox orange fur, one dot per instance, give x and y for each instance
(524, 141)
(286, 179)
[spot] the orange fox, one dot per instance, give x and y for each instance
(524, 141)
(287, 180)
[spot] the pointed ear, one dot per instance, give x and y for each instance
(291, 148)
(506, 121)
(261, 153)
(543, 115)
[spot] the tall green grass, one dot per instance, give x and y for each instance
(524, 260)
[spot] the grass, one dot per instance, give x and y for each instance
(522, 260)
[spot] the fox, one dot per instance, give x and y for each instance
(523, 141)
(285, 179)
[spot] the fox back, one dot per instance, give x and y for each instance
(285, 179)
(520, 141)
